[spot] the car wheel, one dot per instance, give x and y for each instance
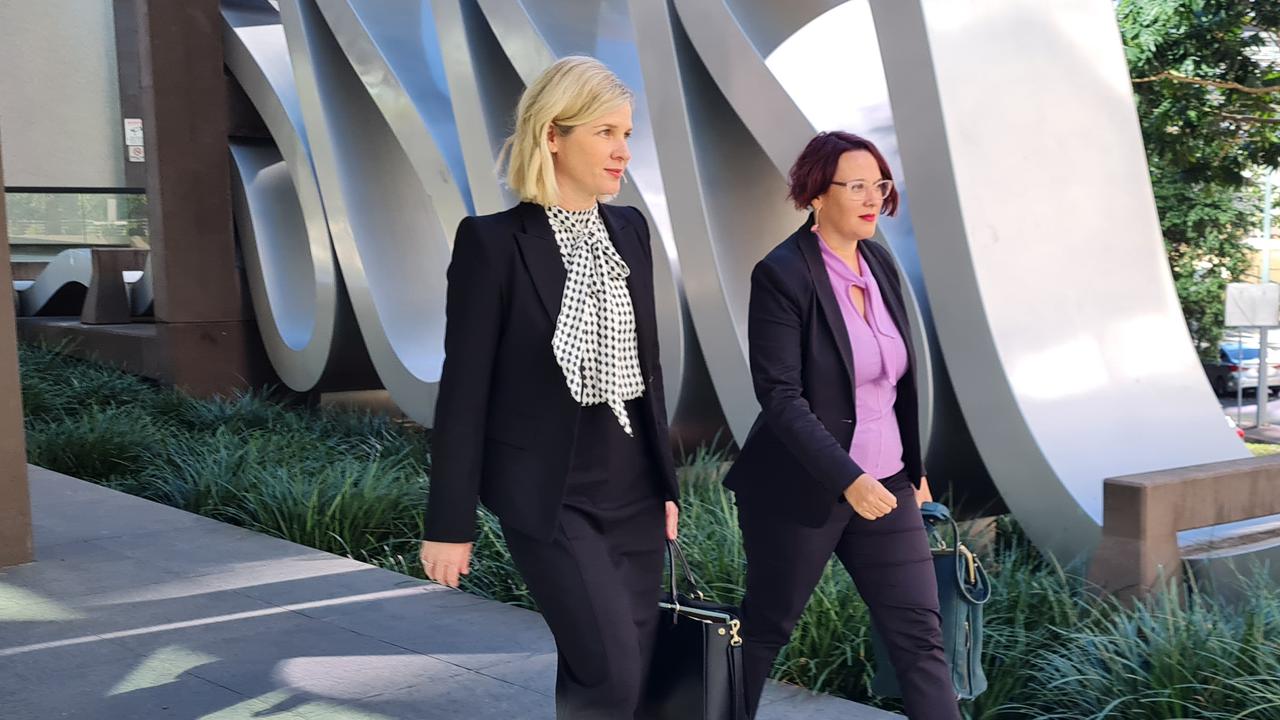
(1220, 386)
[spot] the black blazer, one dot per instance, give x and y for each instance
(796, 457)
(504, 421)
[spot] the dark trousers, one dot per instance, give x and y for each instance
(597, 583)
(890, 563)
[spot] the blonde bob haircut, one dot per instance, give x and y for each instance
(574, 91)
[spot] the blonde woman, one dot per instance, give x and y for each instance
(551, 409)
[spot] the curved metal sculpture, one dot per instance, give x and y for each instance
(270, 223)
(484, 89)
(61, 287)
(293, 278)
(1033, 381)
(387, 227)
(1045, 290)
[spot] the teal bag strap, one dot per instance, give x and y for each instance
(971, 577)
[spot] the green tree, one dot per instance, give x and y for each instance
(1204, 226)
(1207, 88)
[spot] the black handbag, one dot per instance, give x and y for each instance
(963, 588)
(697, 662)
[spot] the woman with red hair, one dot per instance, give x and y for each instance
(833, 463)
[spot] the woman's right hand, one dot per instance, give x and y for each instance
(445, 562)
(870, 498)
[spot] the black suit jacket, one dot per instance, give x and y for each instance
(796, 457)
(505, 422)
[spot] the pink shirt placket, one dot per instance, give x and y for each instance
(879, 361)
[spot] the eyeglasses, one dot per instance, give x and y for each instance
(858, 189)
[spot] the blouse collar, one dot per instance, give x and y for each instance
(837, 266)
(557, 213)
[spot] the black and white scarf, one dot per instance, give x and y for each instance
(595, 339)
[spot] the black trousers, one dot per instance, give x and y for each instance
(890, 563)
(597, 583)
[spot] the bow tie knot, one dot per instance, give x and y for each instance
(598, 252)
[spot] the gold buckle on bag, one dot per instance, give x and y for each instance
(971, 563)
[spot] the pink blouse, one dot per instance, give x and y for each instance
(879, 361)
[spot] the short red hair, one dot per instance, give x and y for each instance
(815, 169)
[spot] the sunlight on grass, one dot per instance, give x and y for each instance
(1263, 448)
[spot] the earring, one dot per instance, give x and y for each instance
(815, 227)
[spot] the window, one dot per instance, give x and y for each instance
(43, 224)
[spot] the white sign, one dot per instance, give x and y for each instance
(133, 132)
(137, 153)
(1253, 305)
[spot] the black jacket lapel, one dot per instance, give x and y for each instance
(542, 257)
(627, 242)
(826, 296)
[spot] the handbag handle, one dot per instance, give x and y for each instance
(934, 514)
(673, 553)
(970, 575)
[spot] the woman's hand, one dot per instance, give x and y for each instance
(673, 519)
(923, 495)
(870, 498)
(445, 562)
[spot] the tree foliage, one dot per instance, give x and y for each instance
(1207, 87)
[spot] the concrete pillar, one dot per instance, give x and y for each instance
(15, 496)
(205, 335)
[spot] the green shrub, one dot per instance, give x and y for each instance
(98, 443)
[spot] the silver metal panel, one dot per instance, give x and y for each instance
(393, 48)
(738, 68)
(60, 94)
(484, 89)
(390, 238)
(289, 259)
(769, 24)
(1051, 296)
(273, 235)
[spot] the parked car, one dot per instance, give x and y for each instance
(1238, 366)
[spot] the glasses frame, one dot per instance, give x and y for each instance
(886, 182)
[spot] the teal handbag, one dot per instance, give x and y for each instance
(963, 588)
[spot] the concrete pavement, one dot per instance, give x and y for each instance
(138, 610)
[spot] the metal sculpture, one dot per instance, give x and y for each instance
(1038, 298)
